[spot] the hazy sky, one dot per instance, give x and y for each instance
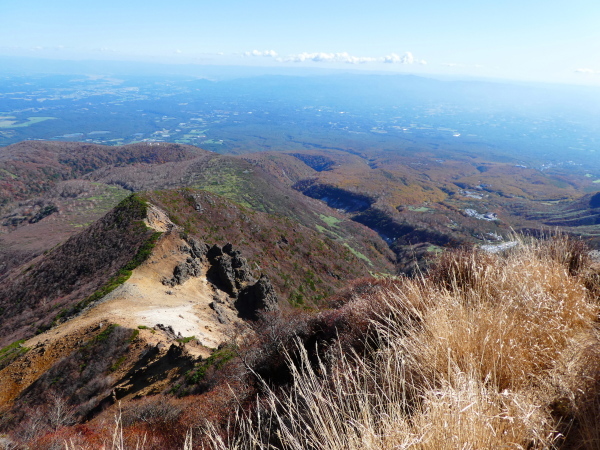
(544, 40)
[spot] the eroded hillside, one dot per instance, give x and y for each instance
(151, 290)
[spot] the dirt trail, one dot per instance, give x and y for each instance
(144, 300)
(141, 300)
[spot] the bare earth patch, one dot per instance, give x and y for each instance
(140, 303)
(144, 300)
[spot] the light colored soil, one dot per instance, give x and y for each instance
(144, 300)
(141, 300)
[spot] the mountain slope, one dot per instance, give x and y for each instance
(32, 167)
(59, 283)
(68, 205)
(159, 283)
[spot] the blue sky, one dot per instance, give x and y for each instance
(553, 41)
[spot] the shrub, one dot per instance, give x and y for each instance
(490, 351)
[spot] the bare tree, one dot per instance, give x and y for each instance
(60, 413)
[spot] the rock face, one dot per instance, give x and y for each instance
(192, 266)
(183, 271)
(228, 271)
(259, 296)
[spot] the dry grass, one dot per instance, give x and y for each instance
(490, 351)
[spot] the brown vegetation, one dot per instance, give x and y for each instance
(485, 351)
(489, 352)
(33, 167)
(64, 281)
(501, 349)
(303, 265)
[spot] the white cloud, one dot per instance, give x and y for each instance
(178, 51)
(588, 71)
(267, 53)
(406, 58)
(345, 57)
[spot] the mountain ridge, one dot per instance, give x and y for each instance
(194, 285)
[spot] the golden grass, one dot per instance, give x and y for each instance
(495, 351)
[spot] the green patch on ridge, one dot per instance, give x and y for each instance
(358, 254)
(330, 220)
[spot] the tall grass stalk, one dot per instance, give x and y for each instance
(473, 356)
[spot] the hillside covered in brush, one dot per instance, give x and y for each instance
(462, 357)
(219, 301)
(416, 202)
(142, 297)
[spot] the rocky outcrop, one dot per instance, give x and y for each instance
(183, 271)
(192, 266)
(259, 296)
(228, 271)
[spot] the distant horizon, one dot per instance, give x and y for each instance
(232, 109)
(37, 65)
(547, 42)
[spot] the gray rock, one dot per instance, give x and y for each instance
(168, 330)
(182, 272)
(220, 312)
(214, 252)
(256, 297)
(228, 248)
(198, 248)
(225, 274)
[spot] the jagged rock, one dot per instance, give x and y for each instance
(192, 265)
(182, 272)
(256, 297)
(198, 248)
(224, 274)
(219, 299)
(168, 330)
(220, 312)
(229, 271)
(214, 252)
(243, 274)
